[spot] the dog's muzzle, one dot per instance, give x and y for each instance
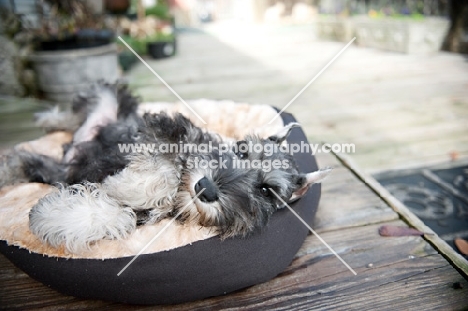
(210, 194)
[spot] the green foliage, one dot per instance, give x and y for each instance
(160, 37)
(160, 10)
(380, 15)
(139, 45)
(414, 16)
(62, 19)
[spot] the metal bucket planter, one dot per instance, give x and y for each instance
(64, 72)
(161, 49)
(405, 36)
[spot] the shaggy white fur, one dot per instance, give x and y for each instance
(15, 205)
(80, 214)
(144, 184)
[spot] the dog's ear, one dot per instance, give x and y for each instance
(283, 133)
(308, 180)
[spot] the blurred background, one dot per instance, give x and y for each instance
(399, 92)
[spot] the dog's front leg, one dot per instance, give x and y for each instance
(78, 215)
(149, 183)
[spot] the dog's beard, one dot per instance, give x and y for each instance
(237, 209)
(284, 181)
(194, 209)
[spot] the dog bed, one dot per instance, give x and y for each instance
(185, 263)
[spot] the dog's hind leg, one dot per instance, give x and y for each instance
(11, 169)
(102, 107)
(41, 168)
(79, 215)
(23, 166)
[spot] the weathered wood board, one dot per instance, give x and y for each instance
(347, 202)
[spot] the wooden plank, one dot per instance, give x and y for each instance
(346, 202)
(366, 241)
(400, 291)
(402, 268)
(402, 155)
(317, 279)
(460, 263)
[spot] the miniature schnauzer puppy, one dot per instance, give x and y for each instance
(110, 192)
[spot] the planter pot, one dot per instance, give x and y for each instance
(126, 60)
(62, 73)
(85, 38)
(117, 6)
(392, 34)
(405, 36)
(161, 49)
(335, 28)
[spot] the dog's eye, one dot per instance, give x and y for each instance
(241, 149)
(265, 191)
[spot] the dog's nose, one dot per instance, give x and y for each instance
(210, 194)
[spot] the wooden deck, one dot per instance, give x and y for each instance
(399, 110)
(393, 273)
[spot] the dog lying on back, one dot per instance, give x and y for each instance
(106, 193)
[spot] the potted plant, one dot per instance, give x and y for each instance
(117, 6)
(149, 32)
(418, 28)
(161, 43)
(72, 48)
(148, 35)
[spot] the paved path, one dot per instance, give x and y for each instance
(399, 110)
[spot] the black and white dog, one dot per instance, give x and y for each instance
(105, 193)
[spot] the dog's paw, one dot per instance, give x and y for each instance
(78, 216)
